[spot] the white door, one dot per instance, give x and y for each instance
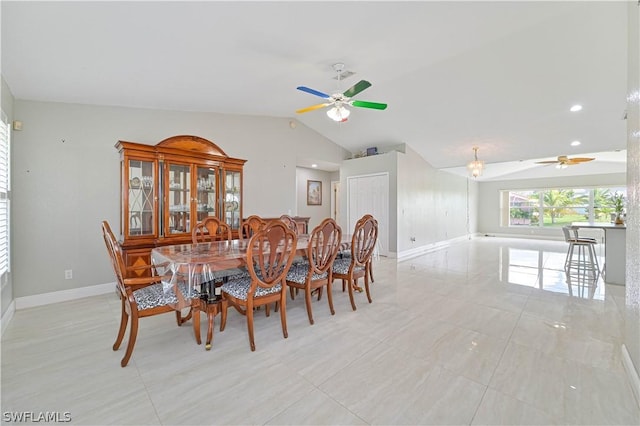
(370, 195)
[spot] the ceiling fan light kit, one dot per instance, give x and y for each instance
(339, 101)
(338, 113)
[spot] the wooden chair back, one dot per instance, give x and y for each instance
(251, 225)
(290, 222)
(363, 241)
(323, 246)
(116, 257)
(211, 229)
(272, 250)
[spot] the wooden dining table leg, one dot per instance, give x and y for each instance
(212, 311)
(196, 322)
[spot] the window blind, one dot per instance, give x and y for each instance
(4, 195)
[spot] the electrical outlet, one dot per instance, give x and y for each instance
(68, 274)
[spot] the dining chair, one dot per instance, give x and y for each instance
(350, 269)
(317, 273)
(290, 222)
(251, 225)
(345, 248)
(377, 243)
(211, 229)
(270, 252)
(140, 296)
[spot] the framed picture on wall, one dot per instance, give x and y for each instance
(314, 193)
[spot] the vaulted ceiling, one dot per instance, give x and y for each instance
(497, 75)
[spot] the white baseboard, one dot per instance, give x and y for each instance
(525, 236)
(62, 296)
(8, 316)
(414, 252)
(632, 373)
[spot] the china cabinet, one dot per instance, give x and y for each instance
(168, 187)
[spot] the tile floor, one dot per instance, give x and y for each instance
(482, 332)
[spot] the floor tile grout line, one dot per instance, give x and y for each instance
(499, 360)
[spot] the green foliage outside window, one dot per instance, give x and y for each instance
(559, 207)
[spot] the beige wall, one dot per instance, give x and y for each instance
(66, 179)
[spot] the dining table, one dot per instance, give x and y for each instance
(195, 264)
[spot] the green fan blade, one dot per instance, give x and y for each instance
(365, 104)
(356, 88)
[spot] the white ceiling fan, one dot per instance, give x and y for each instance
(338, 101)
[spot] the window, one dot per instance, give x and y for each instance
(559, 207)
(4, 194)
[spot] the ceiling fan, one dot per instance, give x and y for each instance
(338, 101)
(563, 161)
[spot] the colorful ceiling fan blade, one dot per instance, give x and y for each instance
(313, 92)
(356, 88)
(311, 108)
(548, 162)
(366, 104)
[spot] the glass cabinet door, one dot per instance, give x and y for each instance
(141, 197)
(232, 198)
(206, 184)
(178, 202)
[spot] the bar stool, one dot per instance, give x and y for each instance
(585, 259)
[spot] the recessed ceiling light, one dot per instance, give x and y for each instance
(314, 165)
(575, 108)
(575, 143)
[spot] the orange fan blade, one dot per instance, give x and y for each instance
(313, 107)
(579, 160)
(548, 162)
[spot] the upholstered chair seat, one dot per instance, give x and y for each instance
(298, 274)
(239, 288)
(154, 295)
(341, 266)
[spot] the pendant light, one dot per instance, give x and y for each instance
(476, 166)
